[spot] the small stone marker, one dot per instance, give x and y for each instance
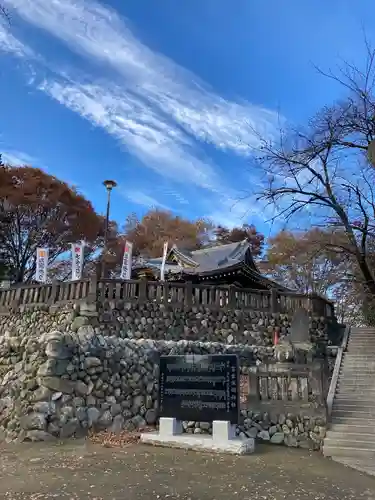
(203, 389)
(300, 330)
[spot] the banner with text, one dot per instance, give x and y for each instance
(77, 260)
(126, 269)
(165, 251)
(41, 264)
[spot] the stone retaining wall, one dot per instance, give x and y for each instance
(159, 322)
(60, 376)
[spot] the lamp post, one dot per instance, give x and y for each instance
(109, 185)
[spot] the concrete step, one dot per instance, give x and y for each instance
(362, 367)
(356, 389)
(359, 347)
(370, 413)
(350, 385)
(365, 466)
(349, 404)
(356, 397)
(359, 382)
(360, 342)
(347, 451)
(353, 405)
(348, 429)
(362, 422)
(358, 365)
(350, 443)
(356, 437)
(358, 358)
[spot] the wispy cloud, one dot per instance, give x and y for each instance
(9, 43)
(160, 112)
(18, 158)
(100, 33)
(143, 199)
(158, 145)
(180, 100)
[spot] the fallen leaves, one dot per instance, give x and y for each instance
(118, 440)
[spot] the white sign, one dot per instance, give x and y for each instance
(41, 264)
(165, 251)
(126, 269)
(77, 260)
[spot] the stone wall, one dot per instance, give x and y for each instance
(159, 322)
(62, 374)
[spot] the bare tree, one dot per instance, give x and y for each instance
(323, 172)
(4, 13)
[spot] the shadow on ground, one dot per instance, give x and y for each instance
(80, 470)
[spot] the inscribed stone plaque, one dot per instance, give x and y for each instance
(200, 388)
(300, 329)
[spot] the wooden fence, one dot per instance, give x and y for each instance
(287, 383)
(175, 294)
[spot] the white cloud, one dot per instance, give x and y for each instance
(143, 199)
(9, 43)
(18, 158)
(154, 107)
(161, 148)
(98, 32)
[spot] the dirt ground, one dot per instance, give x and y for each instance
(81, 470)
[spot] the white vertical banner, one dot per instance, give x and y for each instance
(77, 260)
(165, 251)
(41, 264)
(126, 268)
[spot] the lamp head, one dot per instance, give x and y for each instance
(109, 185)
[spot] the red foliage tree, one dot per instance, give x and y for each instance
(39, 210)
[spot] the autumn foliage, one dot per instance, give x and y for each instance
(37, 210)
(246, 232)
(149, 233)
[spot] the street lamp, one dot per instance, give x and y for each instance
(109, 185)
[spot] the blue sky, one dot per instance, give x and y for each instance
(167, 97)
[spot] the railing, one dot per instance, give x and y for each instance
(286, 383)
(178, 294)
(336, 370)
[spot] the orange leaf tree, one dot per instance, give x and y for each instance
(39, 210)
(246, 232)
(149, 233)
(306, 261)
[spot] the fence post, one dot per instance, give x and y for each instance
(53, 297)
(165, 293)
(274, 301)
(232, 297)
(189, 294)
(17, 299)
(142, 291)
(93, 289)
(316, 380)
(254, 392)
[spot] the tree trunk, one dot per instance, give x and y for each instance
(369, 279)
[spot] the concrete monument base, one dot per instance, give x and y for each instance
(223, 439)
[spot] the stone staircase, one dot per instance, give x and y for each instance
(351, 436)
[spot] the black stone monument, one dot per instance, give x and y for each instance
(201, 388)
